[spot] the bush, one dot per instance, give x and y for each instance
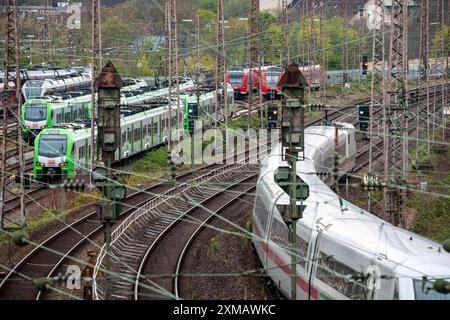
(434, 211)
(155, 160)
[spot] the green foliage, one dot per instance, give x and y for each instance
(85, 198)
(243, 122)
(214, 243)
(434, 211)
(210, 5)
(437, 41)
(155, 160)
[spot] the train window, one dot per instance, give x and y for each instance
(124, 137)
(302, 247)
(261, 212)
(335, 274)
(423, 290)
(396, 291)
(279, 234)
(155, 128)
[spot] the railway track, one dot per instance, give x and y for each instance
(127, 250)
(211, 222)
(362, 158)
(48, 257)
(178, 229)
(70, 239)
(129, 245)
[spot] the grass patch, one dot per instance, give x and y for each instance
(85, 198)
(434, 219)
(36, 222)
(151, 166)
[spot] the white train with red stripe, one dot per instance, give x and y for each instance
(336, 240)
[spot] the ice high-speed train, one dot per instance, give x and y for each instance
(336, 240)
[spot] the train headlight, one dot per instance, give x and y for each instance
(40, 164)
(63, 164)
(43, 127)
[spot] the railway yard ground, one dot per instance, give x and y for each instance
(56, 209)
(221, 263)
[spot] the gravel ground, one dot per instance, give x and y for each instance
(216, 252)
(10, 254)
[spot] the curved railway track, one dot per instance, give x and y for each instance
(48, 256)
(131, 241)
(157, 269)
(362, 158)
(68, 240)
(211, 222)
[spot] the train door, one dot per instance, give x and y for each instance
(160, 128)
(132, 139)
(277, 254)
(334, 264)
(142, 134)
(128, 141)
(151, 131)
(313, 253)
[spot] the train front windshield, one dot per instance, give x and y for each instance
(423, 290)
(236, 78)
(272, 79)
(33, 89)
(53, 145)
(36, 112)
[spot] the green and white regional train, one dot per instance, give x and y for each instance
(38, 114)
(207, 108)
(62, 152)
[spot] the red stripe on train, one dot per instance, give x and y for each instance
(285, 268)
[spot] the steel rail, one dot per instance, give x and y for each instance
(159, 238)
(195, 234)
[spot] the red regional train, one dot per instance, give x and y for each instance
(238, 78)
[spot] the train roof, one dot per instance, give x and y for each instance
(78, 131)
(410, 254)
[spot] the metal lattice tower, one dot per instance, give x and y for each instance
(396, 128)
(423, 130)
(345, 47)
(377, 102)
(307, 34)
(253, 25)
(444, 59)
(71, 45)
(446, 54)
(439, 65)
(12, 153)
(323, 60)
(166, 39)
(284, 34)
(47, 39)
(96, 64)
(197, 51)
(71, 32)
(172, 63)
(221, 100)
(313, 47)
